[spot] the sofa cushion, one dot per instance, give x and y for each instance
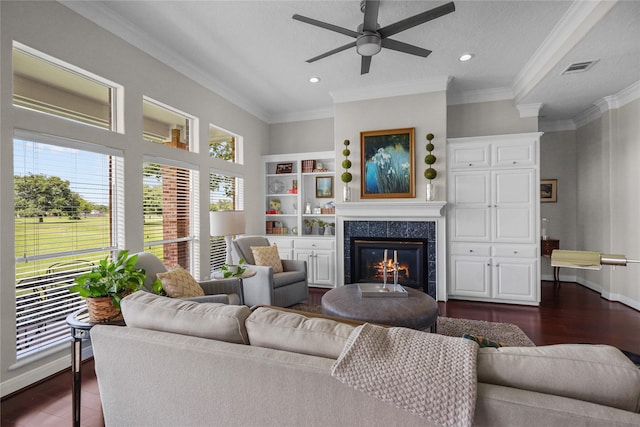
(206, 320)
(593, 373)
(267, 256)
(179, 283)
(280, 330)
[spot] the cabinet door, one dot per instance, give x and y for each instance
(324, 268)
(305, 255)
(514, 279)
(470, 276)
(513, 153)
(470, 198)
(472, 155)
(513, 204)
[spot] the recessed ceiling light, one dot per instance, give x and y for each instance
(465, 57)
(314, 79)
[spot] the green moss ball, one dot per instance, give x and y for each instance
(430, 173)
(430, 136)
(346, 177)
(430, 147)
(430, 159)
(346, 142)
(346, 163)
(346, 152)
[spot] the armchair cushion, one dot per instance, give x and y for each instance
(242, 246)
(179, 283)
(288, 277)
(267, 256)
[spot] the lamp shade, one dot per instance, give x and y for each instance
(226, 223)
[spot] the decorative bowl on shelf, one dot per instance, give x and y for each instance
(276, 187)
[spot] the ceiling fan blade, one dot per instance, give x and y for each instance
(365, 65)
(326, 26)
(418, 19)
(371, 15)
(331, 52)
(405, 48)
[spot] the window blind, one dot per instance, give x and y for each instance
(226, 192)
(168, 209)
(65, 217)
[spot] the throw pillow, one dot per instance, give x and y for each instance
(179, 283)
(267, 256)
(483, 342)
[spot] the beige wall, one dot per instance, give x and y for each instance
(487, 118)
(300, 137)
(427, 113)
(55, 30)
(558, 161)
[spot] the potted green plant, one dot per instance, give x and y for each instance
(233, 270)
(346, 176)
(320, 226)
(308, 226)
(430, 173)
(107, 283)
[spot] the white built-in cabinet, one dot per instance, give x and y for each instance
(289, 181)
(493, 218)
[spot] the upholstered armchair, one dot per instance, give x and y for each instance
(226, 291)
(266, 287)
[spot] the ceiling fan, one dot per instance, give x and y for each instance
(370, 38)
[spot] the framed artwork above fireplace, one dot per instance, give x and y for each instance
(387, 164)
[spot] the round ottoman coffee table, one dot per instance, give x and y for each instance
(416, 311)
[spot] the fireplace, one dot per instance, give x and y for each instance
(382, 234)
(367, 263)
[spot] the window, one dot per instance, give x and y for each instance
(67, 217)
(45, 84)
(163, 124)
(224, 145)
(225, 193)
(169, 203)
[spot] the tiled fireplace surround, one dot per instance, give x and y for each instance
(397, 220)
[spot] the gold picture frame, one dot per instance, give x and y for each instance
(324, 187)
(548, 190)
(387, 164)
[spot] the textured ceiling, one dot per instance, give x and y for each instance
(254, 54)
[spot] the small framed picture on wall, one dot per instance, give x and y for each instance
(548, 190)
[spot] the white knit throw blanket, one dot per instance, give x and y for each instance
(430, 375)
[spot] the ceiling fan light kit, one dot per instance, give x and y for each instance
(371, 38)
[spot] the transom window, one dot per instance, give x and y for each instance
(225, 145)
(166, 125)
(51, 86)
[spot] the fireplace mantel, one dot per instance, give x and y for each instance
(409, 209)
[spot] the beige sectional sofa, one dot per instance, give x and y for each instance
(181, 363)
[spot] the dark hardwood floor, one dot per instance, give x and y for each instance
(570, 314)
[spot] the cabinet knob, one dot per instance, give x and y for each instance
(470, 250)
(470, 164)
(495, 206)
(488, 265)
(515, 252)
(515, 163)
(313, 244)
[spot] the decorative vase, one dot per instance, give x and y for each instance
(346, 193)
(431, 192)
(101, 310)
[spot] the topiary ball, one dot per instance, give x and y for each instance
(430, 147)
(430, 159)
(346, 163)
(430, 136)
(346, 142)
(430, 173)
(346, 152)
(346, 177)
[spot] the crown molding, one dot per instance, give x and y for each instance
(435, 84)
(579, 19)
(481, 95)
(106, 18)
(529, 110)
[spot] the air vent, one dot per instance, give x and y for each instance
(579, 67)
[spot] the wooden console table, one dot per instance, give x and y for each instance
(546, 248)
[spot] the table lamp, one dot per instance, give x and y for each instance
(227, 224)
